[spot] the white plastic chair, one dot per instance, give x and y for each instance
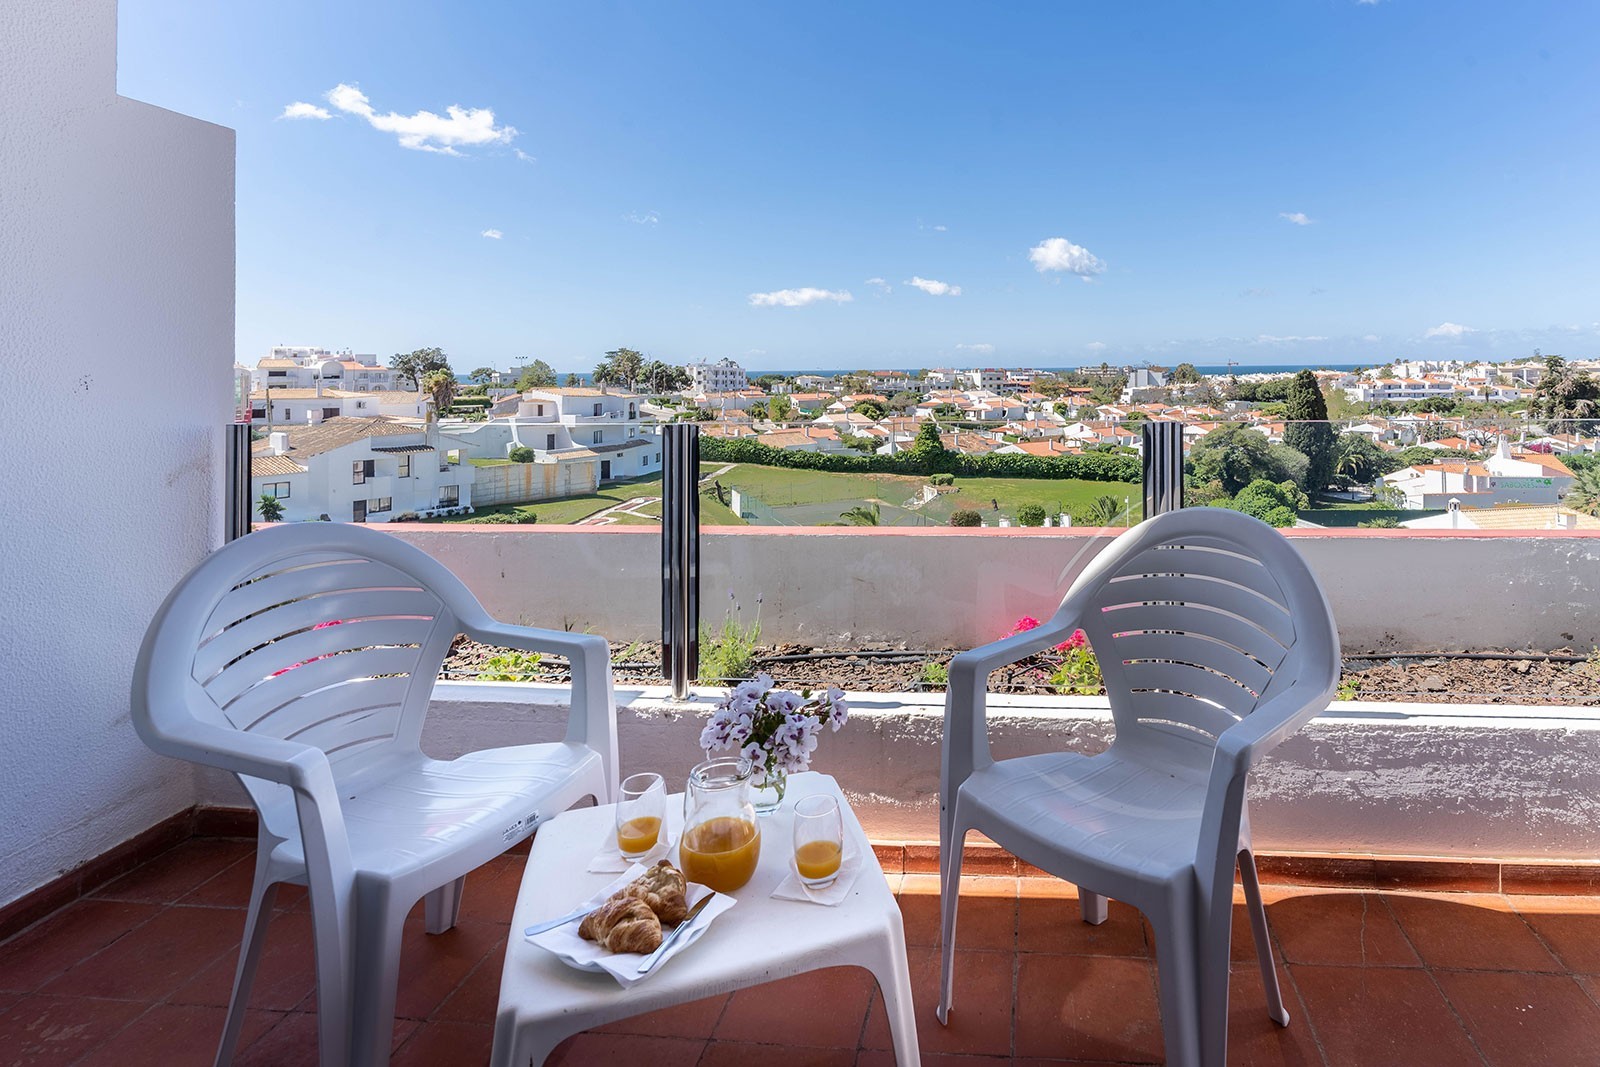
(1216, 644)
(302, 658)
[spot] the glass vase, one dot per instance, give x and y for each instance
(768, 797)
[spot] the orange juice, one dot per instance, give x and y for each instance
(720, 852)
(816, 860)
(638, 836)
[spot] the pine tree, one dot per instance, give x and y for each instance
(1306, 413)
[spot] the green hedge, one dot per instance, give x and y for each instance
(1090, 466)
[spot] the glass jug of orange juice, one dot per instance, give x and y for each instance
(722, 837)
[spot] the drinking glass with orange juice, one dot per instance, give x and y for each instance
(818, 840)
(721, 841)
(641, 814)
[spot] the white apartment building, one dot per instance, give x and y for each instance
(357, 470)
(723, 376)
(314, 405)
(598, 422)
(1144, 384)
(1379, 390)
(993, 378)
(302, 367)
(1504, 478)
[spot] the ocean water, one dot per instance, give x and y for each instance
(1203, 368)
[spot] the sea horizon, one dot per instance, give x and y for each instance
(1207, 369)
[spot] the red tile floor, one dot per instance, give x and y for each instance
(138, 973)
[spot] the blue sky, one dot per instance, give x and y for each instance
(846, 184)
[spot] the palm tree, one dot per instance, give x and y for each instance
(271, 510)
(861, 515)
(1584, 496)
(441, 385)
(1104, 510)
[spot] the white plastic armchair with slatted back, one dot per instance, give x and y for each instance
(1216, 644)
(302, 658)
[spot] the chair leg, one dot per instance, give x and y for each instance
(949, 897)
(333, 984)
(1096, 908)
(380, 925)
(442, 907)
(1258, 927)
(1177, 967)
(885, 957)
(262, 894)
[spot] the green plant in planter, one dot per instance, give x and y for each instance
(935, 675)
(1078, 673)
(271, 510)
(729, 654)
(512, 665)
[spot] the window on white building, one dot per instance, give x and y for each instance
(276, 490)
(383, 503)
(404, 470)
(449, 496)
(597, 435)
(361, 470)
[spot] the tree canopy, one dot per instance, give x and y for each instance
(1236, 455)
(483, 375)
(1308, 432)
(441, 385)
(537, 375)
(622, 366)
(416, 364)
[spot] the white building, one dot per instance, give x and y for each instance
(595, 421)
(723, 376)
(992, 378)
(313, 405)
(1144, 384)
(301, 367)
(357, 470)
(1504, 478)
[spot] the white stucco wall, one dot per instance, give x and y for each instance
(116, 259)
(1466, 781)
(1390, 590)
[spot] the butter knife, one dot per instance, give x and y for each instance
(551, 924)
(688, 921)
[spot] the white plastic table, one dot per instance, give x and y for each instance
(543, 1001)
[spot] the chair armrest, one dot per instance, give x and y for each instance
(300, 767)
(593, 718)
(1268, 726)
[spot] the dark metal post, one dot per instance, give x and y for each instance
(680, 555)
(237, 503)
(1162, 449)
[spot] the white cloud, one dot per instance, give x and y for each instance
(1060, 254)
(302, 110)
(649, 218)
(1096, 346)
(1448, 329)
(1269, 339)
(982, 348)
(940, 229)
(524, 156)
(493, 235)
(798, 298)
(1249, 293)
(1299, 218)
(1371, 338)
(933, 288)
(426, 131)
(879, 284)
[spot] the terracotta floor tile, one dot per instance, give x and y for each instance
(285, 975)
(982, 921)
(433, 965)
(491, 892)
(881, 1058)
(823, 1008)
(155, 959)
(477, 999)
(1346, 928)
(697, 1019)
(1254, 1040)
(1453, 932)
(41, 1029)
(1087, 1007)
(980, 1021)
(178, 871)
(1525, 1019)
(1055, 925)
(291, 1043)
(177, 1035)
(1569, 926)
(43, 951)
(231, 889)
(591, 1050)
(1381, 1015)
(440, 1043)
(749, 1054)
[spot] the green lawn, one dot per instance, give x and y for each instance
(813, 495)
(566, 511)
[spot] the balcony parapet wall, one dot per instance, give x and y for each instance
(1391, 591)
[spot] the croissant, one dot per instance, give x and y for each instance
(663, 889)
(622, 925)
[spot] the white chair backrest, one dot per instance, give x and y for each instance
(1199, 616)
(322, 634)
